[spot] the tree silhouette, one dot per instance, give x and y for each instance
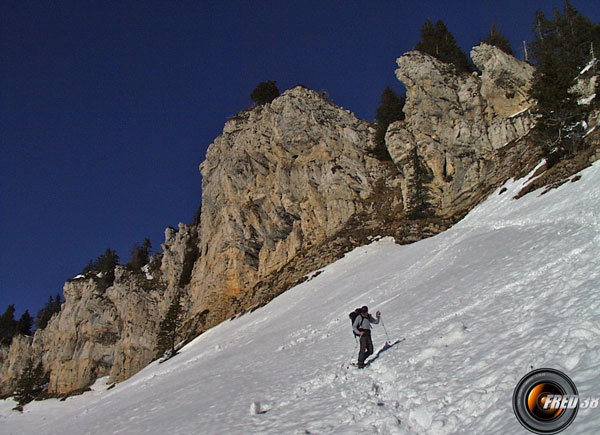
(437, 41)
(389, 110)
(561, 48)
(103, 268)
(31, 383)
(24, 324)
(265, 92)
(140, 255)
(44, 315)
(168, 327)
(8, 325)
(497, 39)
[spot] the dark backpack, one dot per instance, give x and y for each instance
(352, 316)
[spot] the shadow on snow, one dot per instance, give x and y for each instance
(385, 347)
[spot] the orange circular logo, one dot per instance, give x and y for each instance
(545, 401)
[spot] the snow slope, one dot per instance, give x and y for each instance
(515, 285)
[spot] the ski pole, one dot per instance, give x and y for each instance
(355, 346)
(386, 333)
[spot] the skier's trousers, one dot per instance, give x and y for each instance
(366, 347)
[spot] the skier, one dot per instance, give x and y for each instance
(362, 327)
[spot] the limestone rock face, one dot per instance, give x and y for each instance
(280, 179)
(287, 188)
(99, 331)
(75, 359)
(505, 81)
(460, 129)
(179, 254)
(13, 359)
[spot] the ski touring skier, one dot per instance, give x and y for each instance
(362, 327)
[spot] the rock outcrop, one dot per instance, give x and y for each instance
(458, 139)
(287, 188)
(281, 179)
(102, 331)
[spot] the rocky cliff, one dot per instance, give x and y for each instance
(463, 133)
(287, 188)
(102, 331)
(281, 180)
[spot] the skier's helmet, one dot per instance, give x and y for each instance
(364, 309)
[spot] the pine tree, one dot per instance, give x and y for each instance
(389, 110)
(168, 327)
(44, 315)
(561, 48)
(497, 39)
(88, 269)
(419, 206)
(265, 92)
(191, 254)
(569, 36)
(8, 326)
(140, 255)
(57, 303)
(31, 383)
(107, 262)
(103, 268)
(25, 324)
(437, 41)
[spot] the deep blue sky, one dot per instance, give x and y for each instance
(107, 107)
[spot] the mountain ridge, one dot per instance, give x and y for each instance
(511, 287)
(288, 188)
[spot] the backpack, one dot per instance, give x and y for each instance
(352, 316)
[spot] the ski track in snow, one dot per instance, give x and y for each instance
(514, 286)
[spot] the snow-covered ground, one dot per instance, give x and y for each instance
(514, 286)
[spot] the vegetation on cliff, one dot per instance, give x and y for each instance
(497, 39)
(561, 49)
(265, 92)
(270, 226)
(389, 110)
(437, 41)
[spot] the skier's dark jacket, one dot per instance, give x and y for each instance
(362, 323)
